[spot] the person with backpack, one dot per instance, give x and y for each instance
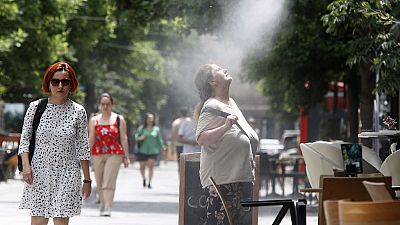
(109, 147)
(53, 148)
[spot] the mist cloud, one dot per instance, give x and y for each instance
(245, 24)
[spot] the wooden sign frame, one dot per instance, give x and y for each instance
(195, 157)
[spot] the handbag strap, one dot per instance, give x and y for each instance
(223, 114)
(119, 135)
(36, 120)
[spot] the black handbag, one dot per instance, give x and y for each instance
(119, 135)
(138, 143)
(36, 120)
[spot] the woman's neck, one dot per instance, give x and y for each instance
(223, 99)
(106, 114)
(222, 95)
(57, 101)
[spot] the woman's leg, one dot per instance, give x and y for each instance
(39, 220)
(238, 192)
(233, 194)
(215, 213)
(60, 220)
(142, 170)
(98, 166)
(151, 162)
(111, 170)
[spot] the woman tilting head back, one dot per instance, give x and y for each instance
(227, 144)
(205, 85)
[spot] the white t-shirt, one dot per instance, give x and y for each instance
(188, 131)
(175, 127)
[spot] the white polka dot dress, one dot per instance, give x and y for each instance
(61, 142)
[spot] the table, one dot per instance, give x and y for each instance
(289, 168)
(392, 135)
(268, 172)
(382, 134)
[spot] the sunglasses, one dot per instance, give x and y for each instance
(64, 82)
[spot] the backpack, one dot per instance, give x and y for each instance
(36, 120)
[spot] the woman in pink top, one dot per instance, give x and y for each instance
(109, 147)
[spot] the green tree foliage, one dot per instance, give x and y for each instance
(323, 41)
(371, 36)
(124, 58)
(120, 47)
(366, 32)
(296, 69)
(33, 35)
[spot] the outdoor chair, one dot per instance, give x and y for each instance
(331, 211)
(391, 167)
(369, 213)
(320, 160)
(322, 157)
(378, 191)
(338, 188)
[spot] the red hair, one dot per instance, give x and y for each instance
(59, 66)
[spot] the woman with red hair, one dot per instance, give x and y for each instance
(53, 186)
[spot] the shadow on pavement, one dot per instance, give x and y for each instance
(141, 207)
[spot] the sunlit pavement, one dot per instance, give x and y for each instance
(133, 203)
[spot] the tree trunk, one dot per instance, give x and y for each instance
(353, 90)
(394, 108)
(367, 100)
(90, 100)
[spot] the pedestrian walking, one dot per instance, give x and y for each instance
(150, 144)
(109, 147)
(176, 144)
(187, 136)
(228, 145)
(53, 186)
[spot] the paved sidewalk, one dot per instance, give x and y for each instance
(133, 205)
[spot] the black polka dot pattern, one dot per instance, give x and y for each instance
(61, 142)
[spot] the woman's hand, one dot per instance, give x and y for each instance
(211, 136)
(230, 120)
(27, 173)
(86, 190)
(126, 161)
(141, 138)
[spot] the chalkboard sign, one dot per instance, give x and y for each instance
(192, 198)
